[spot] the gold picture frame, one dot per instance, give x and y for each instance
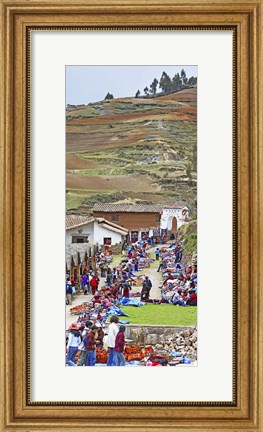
(17, 412)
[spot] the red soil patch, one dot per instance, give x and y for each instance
(129, 136)
(74, 181)
(75, 162)
(174, 114)
(132, 183)
(188, 95)
(119, 183)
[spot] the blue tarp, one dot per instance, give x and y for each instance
(113, 310)
(126, 301)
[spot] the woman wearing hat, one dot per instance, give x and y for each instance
(73, 343)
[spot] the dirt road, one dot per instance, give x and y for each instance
(155, 293)
(154, 276)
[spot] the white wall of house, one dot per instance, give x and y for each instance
(96, 233)
(86, 229)
(168, 215)
(100, 233)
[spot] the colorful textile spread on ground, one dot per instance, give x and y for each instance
(179, 288)
(143, 356)
(179, 280)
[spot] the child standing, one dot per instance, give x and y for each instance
(119, 347)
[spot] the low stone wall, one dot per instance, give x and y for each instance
(182, 339)
(152, 334)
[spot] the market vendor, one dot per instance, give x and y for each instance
(82, 358)
(90, 345)
(146, 288)
(126, 288)
(99, 337)
(106, 302)
(177, 298)
(192, 299)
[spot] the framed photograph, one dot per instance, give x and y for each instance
(131, 137)
(131, 186)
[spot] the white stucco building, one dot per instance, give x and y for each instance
(173, 216)
(84, 235)
(83, 230)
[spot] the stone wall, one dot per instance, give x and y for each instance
(152, 334)
(169, 338)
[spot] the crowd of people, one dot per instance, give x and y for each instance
(85, 340)
(118, 279)
(179, 280)
(87, 335)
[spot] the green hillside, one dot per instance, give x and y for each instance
(136, 150)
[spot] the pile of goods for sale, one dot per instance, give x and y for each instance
(136, 355)
(179, 280)
(177, 350)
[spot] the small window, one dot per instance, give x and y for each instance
(107, 241)
(79, 239)
(157, 218)
(115, 217)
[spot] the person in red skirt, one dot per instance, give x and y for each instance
(94, 283)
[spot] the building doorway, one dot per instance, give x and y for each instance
(134, 236)
(172, 225)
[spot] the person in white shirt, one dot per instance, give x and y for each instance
(112, 334)
(73, 344)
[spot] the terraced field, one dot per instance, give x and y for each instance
(137, 150)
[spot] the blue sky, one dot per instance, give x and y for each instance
(85, 84)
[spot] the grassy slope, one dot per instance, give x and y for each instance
(163, 314)
(188, 233)
(112, 136)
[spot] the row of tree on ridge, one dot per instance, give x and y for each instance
(166, 84)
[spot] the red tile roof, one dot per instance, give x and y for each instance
(112, 227)
(134, 208)
(73, 221)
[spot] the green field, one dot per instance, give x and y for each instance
(163, 314)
